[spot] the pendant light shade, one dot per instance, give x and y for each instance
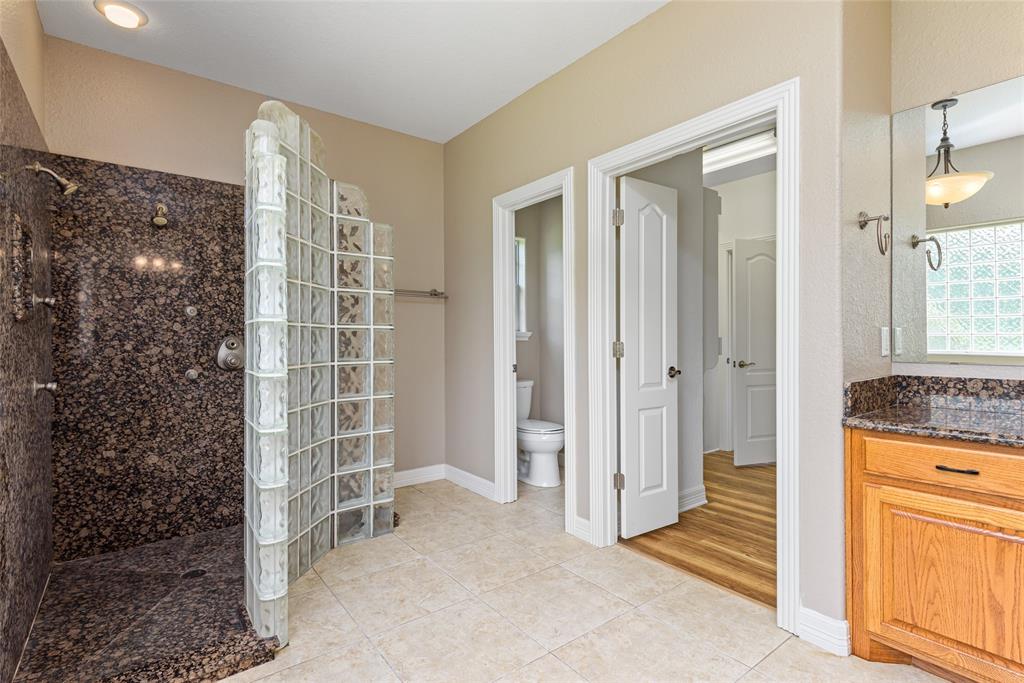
(952, 185)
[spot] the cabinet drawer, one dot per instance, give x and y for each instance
(959, 467)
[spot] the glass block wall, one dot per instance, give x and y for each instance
(266, 384)
(333, 454)
(310, 360)
(975, 300)
(365, 447)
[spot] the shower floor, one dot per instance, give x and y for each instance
(172, 610)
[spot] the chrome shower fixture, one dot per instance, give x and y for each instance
(66, 186)
(160, 218)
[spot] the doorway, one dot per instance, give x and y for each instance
(651, 476)
(725, 531)
(506, 314)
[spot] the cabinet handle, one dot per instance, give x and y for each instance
(947, 468)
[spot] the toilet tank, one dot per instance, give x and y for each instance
(524, 398)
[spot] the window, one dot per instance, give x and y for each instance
(974, 299)
(522, 333)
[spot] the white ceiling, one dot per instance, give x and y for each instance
(427, 68)
(985, 115)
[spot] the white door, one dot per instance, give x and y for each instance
(753, 352)
(648, 309)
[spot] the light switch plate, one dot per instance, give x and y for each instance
(885, 340)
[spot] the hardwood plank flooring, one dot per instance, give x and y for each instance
(731, 540)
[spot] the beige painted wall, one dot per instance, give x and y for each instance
(681, 61)
(940, 48)
(106, 107)
(864, 170)
(22, 34)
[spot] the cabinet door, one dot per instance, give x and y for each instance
(945, 578)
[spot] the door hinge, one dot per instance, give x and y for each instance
(618, 349)
(619, 481)
(618, 218)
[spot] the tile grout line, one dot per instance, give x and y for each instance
(366, 636)
(35, 616)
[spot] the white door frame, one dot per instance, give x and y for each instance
(504, 208)
(781, 104)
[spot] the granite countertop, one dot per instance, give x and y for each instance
(991, 421)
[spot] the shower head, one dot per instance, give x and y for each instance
(66, 186)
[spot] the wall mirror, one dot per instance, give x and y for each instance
(958, 229)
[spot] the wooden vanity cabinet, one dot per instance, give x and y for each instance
(935, 553)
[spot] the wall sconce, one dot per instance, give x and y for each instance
(950, 188)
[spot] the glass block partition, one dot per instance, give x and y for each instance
(266, 384)
(333, 456)
(365, 447)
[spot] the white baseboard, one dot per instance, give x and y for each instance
(418, 475)
(476, 484)
(831, 635)
(581, 529)
(692, 498)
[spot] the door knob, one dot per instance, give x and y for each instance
(745, 364)
(673, 372)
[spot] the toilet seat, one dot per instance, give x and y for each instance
(539, 427)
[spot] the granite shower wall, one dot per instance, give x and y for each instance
(25, 496)
(141, 452)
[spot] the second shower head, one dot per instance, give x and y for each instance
(66, 186)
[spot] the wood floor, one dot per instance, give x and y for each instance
(731, 540)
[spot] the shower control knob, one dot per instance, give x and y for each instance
(231, 354)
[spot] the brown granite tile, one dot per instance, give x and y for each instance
(867, 395)
(82, 611)
(961, 408)
(141, 453)
(132, 616)
(25, 479)
(199, 629)
(219, 552)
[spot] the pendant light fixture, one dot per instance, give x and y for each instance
(952, 185)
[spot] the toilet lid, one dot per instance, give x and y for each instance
(539, 426)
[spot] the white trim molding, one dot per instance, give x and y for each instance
(831, 635)
(779, 104)
(692, 498)
(580, 528)
(504, 208)
(477, 485)
(418, 475)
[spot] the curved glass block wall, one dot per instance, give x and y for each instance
(328, 451)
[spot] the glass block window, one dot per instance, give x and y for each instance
(974, 298)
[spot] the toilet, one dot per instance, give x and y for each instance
(539, 442)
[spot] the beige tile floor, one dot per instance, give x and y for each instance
(469, 590)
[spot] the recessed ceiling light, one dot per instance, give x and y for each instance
(121, 14)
